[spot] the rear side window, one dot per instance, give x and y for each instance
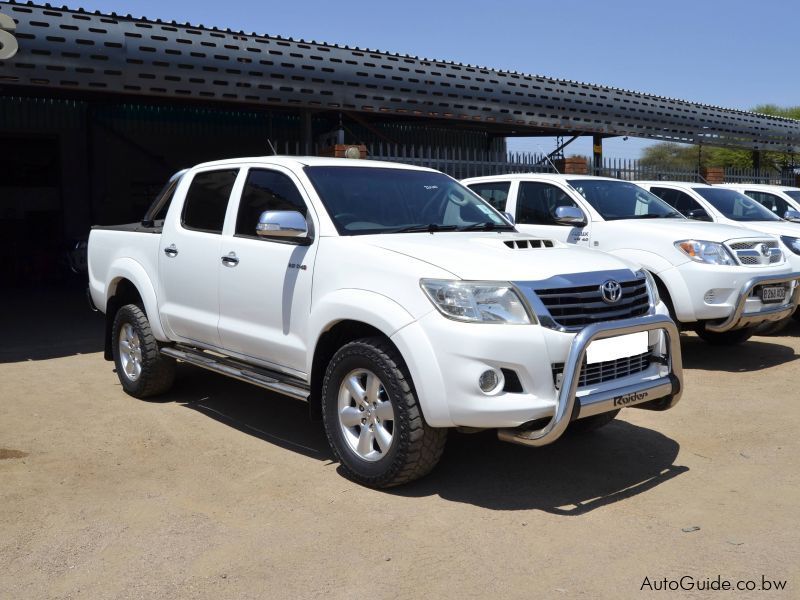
(207, 200)
(495, 193)
(266, 190)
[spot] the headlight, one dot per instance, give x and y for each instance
(701, 251)
(651, 284)
(792, 243)
(476, 301)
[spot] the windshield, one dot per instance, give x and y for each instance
(736, 206)
(364, 200)
(793, 194)
(616, 200)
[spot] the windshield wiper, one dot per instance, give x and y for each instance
(489, 226)
(430, 228)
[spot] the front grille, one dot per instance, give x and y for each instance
(576, 307)
(606, 371)
(750, 253)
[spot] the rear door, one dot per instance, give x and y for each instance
(189, 257)
(265, 283)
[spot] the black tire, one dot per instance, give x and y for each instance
(727, 338)
(157, 371)
(593, 423)
(415, 447)
(796, 314)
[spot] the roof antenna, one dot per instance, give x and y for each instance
(547, 158)
(271, 147)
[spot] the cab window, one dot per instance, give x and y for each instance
(774, 203)
(537, 203)
(494, 192)
(266, 190)
(207, 200)
(680, 201)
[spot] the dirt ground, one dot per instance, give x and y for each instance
(219, 490)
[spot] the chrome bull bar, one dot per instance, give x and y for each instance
(670, 386)
(739, 318)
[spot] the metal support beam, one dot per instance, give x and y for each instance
(757, 162)
(308, 134)
(597, 153)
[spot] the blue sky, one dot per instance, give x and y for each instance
(734, 54)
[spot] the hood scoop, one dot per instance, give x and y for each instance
(530, 244)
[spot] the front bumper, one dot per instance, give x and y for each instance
(723, 296)
(446, 358)
(667, 389)
(741, 317)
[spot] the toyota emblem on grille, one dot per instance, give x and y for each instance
(611, 291)
(764, 249)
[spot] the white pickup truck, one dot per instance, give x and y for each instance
(722, 281)
(391, 298)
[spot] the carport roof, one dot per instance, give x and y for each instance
(111, 53)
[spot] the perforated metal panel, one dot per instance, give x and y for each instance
(74, 50)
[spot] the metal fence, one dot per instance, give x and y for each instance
(461, 163)
(633, 170)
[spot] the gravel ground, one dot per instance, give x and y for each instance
(219, 490)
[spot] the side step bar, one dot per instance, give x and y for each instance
(270, 380)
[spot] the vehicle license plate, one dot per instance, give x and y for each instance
(773, 293)
(613, 348)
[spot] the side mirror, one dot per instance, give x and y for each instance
(569, 215)
(698, 214)
(792, 215)
(510, 217)
(282, 224)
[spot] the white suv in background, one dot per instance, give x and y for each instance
(704, 271)
(780, 199)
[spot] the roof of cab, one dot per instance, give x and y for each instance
(546, 176)
(311, 161)
(683, 184)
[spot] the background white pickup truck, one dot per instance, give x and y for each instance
(728, 206)
(704, 271)
(391, 298)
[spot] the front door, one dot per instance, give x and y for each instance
(534, 211)
(265, 283)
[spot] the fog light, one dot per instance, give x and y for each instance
(488, 381)
(709, 297)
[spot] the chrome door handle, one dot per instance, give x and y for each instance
(171, 251)
(231, 260)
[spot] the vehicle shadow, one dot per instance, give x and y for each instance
(755, 354)
(575, 475)
(273, 418)
(50, 322)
